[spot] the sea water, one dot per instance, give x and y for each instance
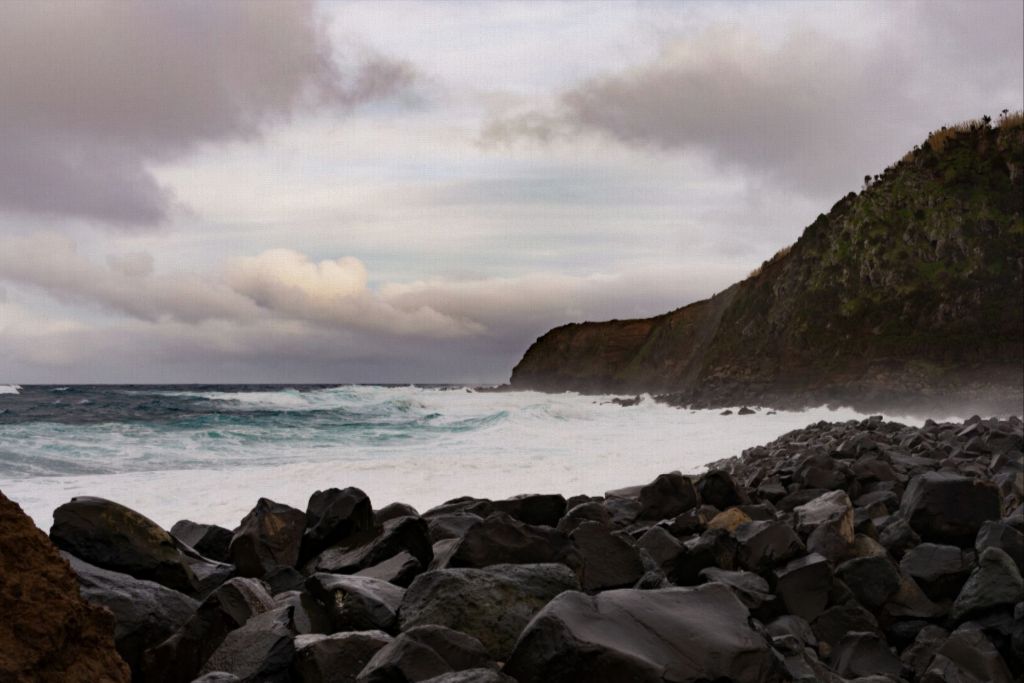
(208, 453)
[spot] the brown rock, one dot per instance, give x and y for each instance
(48, 633)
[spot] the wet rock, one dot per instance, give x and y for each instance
(500, 539)
(493, 604)
(111, 536)
(179, 658)
(536, 509)
(47, 631)
(453, 525)
(399, 570)
(718, 488)
(334, 515)
(424, 652)
(940, 570)
(335, 658)
(608, 561)
(995, 581)
(268, 537)
(871, 579)
(672, 634)
(260, 650)
(357, 603)
(765, 545)
(667, 496)
(967, 656)
(393, 511)
(999, 534)
(209, 540)
(405, 534)
(803, 585)
(943, 507)
(145, 613)
(864, 654)
(828, 523)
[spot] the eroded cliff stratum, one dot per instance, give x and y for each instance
(909, 292)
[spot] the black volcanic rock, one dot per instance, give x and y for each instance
(260, 650)
(764, 545)
(804, 584)
(500, 539)
(718, 488)
(335, 658)
(268, 537)
(403, 534)
(424, 652)
(536, 509)
(667, 496)
(864, 654)
(357, 603)
(334, 515)
(940, 570)
(948, 508)
(608, 561)
(673, 634)
(209, 540)
(995, 581)
(871, 579)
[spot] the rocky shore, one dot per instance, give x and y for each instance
(862, 551)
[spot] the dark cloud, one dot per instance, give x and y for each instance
(93, 93)
(814, 112)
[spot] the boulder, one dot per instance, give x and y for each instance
(218, 677)
(472, 676)
(48, 632)
(399, 570)
(827, 521)
(357, 603)
(536, 509)
(493, 604)
(393, 511)
(803, 585)
(111, 536)
(404, 534)
(995, 581)
(608, 561)
(667, 496)
(718, 488)
(898, 537)
(663, 549)
(831, 625)
(335, 658)
(179, 658)
(145, 613)
(967, 656)
(260, 650)
(209, 540)
(334, 515)
(713, 548)
(872, 580)
(451, 525)
(268, 537)
(750, 588)
(940, 570)
(729, 519)
(943, 507)
(999, 534)
(590, 510)
(862, 653)
(424, 652)
(921, 652)
(764, 545)
(308, 615)
(500, 539)
(672, 634)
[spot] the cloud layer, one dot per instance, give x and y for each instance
(94, 93)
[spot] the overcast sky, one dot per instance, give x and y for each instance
(382, 191)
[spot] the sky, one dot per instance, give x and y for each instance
(414, 192)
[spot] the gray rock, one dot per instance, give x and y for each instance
(399, 570)
(999, 534)
(995, 581)
(673, 634)
(335, 658)
(871, 579)
(831, 625)
(472, 676)
(766, 544)
(357, 603)
(828, 523)
(949, 508)
(500, 539)
(404, 534)
(451, 525)
(804, 584)
(967, 656)
(259, 651)
(424, 652)
(940, 570)
(864, 654)
(608, 561)
(493, 604)
(209, 540)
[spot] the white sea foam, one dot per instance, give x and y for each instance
(10, 389)
(455, 443)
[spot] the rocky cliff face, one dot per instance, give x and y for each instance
(48, 633)
(908, 292)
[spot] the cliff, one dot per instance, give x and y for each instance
(909, 292)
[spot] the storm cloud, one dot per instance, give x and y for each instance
(96, 93)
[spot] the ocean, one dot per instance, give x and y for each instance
(207, 453)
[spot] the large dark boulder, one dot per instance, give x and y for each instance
(403, 534)
(493, 604)
(827, 522)
(423, 652)
(940, 570)
(750, 588)
(472, 676)
(335, 658)
(451, 525)
(260, 651)
(608, 560)
(949, 508)
(333, 516)
(145, 613)
(864, 654)
(804, 585)
(48, 633)
(308, 615)
(209, 540)
(999, 534)
(834, 623)
(718, 488)
(500, 539)
(672, 635)
(399, 570)
(871, 579)
(667, 496)
(179, 658)
(112, 536)
(268, 537)
(535, 508)
(967, 656)
(766, 544)
(994, 582)
(357, 603)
